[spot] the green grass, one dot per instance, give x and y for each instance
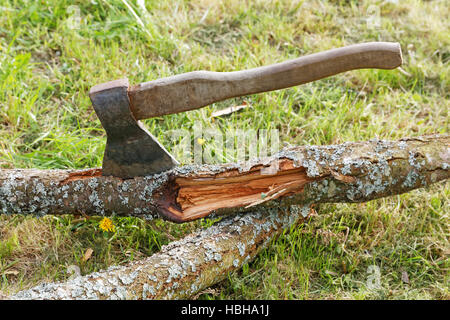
(46, 121)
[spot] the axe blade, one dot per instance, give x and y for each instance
(130, 150)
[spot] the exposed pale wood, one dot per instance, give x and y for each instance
(200, 196)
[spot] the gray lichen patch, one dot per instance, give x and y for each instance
(42, 192)
(175, 271)
(241, 248)
(128, 278)
(147, 291)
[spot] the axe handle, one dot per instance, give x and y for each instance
(197, 89)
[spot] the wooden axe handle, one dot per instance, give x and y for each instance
(197, 89)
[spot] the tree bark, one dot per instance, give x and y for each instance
(349, 172)
(182, 268)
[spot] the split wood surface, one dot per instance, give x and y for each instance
(349, 172)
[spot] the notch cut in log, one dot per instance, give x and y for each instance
(349, 172)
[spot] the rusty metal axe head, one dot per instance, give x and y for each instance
(131, 151)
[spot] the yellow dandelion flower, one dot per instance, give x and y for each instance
(107, 225)
(201, 141)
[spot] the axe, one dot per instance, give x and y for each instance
(132, 151)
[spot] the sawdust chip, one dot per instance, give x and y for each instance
(87, 255)
(229, 110)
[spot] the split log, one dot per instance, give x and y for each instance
(349, 172)
(182, 268)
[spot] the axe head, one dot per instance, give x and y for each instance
(131, 150)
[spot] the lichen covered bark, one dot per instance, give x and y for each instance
(349, 172)
(182, 268)
(363, 171)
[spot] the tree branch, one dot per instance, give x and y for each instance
(349, 172)
(182, 268)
